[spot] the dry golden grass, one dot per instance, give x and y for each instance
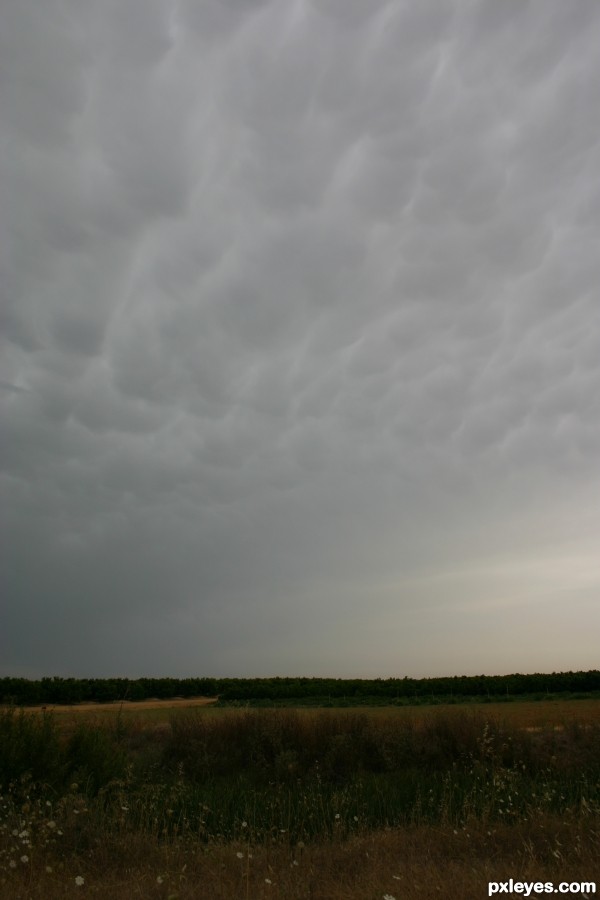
(520, 714)
(140, 713)
(124, 705)
(406, 864)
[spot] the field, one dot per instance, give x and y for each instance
(181, 799)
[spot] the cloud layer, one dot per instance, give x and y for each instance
(300, 366)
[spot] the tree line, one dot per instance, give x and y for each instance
(321, 691)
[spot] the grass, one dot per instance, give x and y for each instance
(550, 711)
(285, 803)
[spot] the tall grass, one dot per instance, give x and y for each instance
(282, 779)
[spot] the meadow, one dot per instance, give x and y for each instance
(188, 800)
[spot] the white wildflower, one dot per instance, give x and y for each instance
(79, 880)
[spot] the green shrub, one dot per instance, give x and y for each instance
(94, 757)
(29, 748)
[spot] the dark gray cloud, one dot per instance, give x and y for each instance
(300, 337)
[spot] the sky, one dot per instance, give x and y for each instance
(300, 337)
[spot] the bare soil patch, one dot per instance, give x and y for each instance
(129, 705)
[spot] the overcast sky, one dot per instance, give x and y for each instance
(300, 356)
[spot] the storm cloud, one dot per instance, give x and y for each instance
(300, 367)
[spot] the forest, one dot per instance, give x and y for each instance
(302, 691)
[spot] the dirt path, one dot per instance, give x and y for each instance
(127, 705)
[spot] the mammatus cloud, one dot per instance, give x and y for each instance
(300, 337)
